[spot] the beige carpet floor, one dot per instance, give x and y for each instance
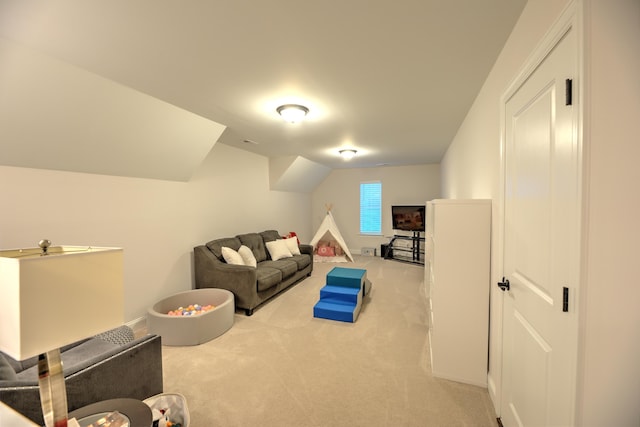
(283, 367)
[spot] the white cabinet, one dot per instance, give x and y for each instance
(459, 250)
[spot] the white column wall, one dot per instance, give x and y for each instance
(608, 389)
(471, 165)
(609, 374)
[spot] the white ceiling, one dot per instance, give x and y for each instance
(393, 79)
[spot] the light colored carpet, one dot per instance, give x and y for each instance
(283, 367)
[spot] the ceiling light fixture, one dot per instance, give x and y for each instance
(348, 153)
(292, 112)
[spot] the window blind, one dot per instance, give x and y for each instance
(371, 207)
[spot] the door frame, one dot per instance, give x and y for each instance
(570, 17)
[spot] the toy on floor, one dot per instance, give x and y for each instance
(161, 418)
(168, 410)
(341, 297)
(191, 310)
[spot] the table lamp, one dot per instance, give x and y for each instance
(53, 296)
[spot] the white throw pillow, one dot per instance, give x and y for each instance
(292, 244)
(278, 249)
(231, 256)
(247, 256)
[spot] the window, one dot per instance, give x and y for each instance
(371, 207)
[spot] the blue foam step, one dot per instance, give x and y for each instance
(343, 293)
(333, 309)
(349, 277)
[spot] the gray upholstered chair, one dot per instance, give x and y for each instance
(107, 366)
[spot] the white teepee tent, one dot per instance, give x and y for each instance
(328, 233)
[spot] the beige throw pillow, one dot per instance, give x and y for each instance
(278, 249)
(231, 256)
(247, 256)
(292, 244)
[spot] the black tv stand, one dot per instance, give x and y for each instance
(399, 250)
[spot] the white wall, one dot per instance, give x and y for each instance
(471, 165)
(609, 390)
(401, 185)
(156, 222)
(609, 367)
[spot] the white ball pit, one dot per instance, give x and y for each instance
(192, 330)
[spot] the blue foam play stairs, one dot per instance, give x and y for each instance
(341, 297)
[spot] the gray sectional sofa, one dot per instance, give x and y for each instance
(108, 366)
(251, 286)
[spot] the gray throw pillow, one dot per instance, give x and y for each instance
(6, 371)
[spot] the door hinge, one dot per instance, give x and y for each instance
(568, 91)
(565, 299)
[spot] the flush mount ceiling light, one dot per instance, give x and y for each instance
(292, 112)
(348, 153)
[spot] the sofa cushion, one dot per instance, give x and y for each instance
(267, 277)
(21, 365)
(18, 365)
(6, 371)
(215, 246)
(270, 235)
(72, 358)
(287, 266)
(302, 260)
(254, 242)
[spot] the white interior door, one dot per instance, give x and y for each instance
(541, 245)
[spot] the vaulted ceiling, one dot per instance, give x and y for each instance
(392, 79)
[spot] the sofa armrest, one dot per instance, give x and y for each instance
(133, 370)
(307, 250)
(210, 272)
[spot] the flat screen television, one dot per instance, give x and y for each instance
(408, 218)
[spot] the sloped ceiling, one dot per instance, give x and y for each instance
(296, 174)
(54, 115)
(392, 78)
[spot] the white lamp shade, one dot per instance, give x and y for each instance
(53, 300)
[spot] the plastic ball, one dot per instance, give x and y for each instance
(191, 310)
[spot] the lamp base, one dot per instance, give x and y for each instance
(53, 393)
